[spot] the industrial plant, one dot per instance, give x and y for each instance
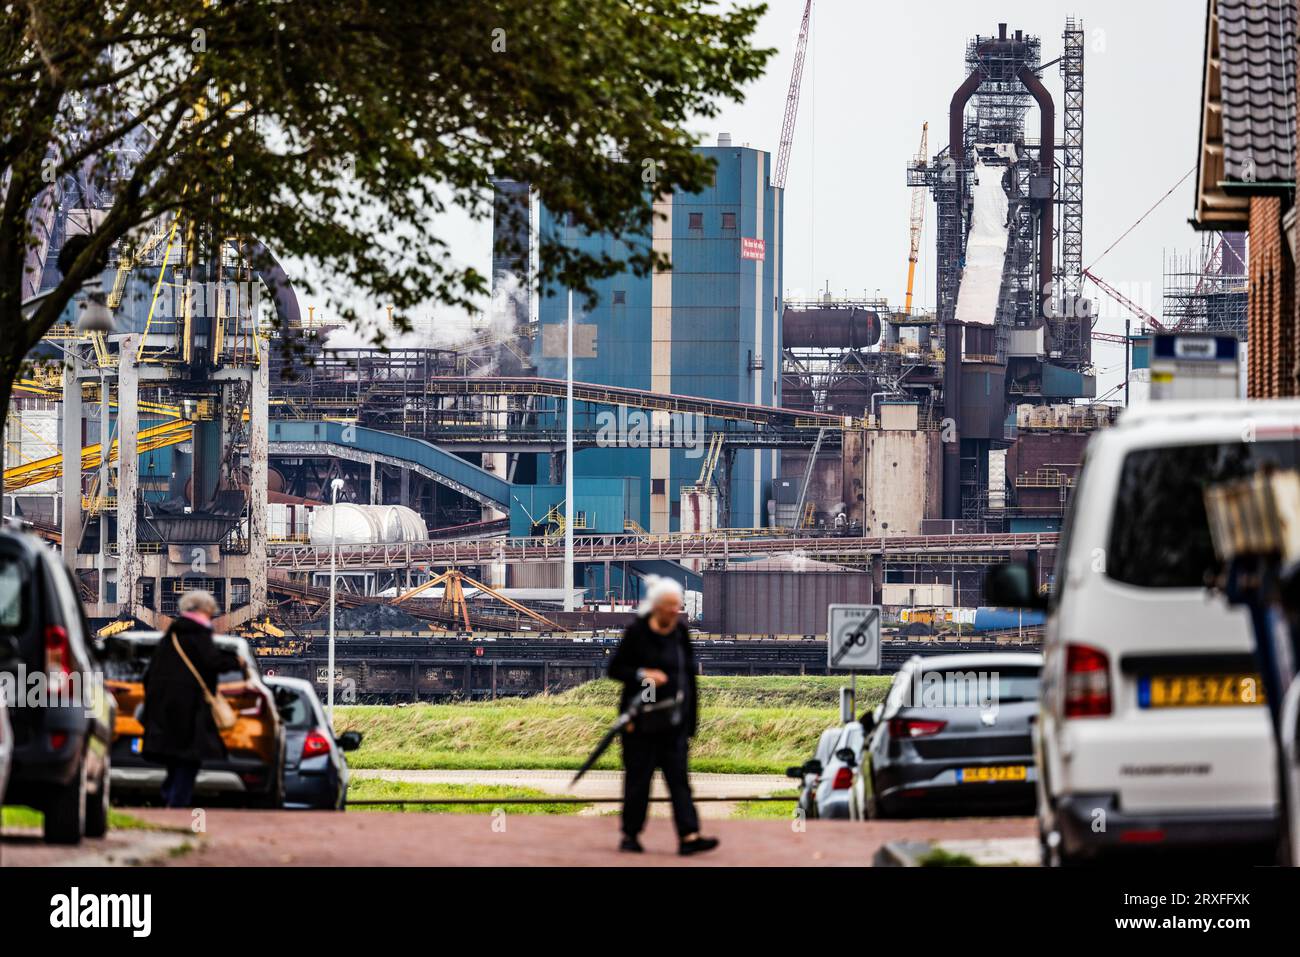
(773, 454)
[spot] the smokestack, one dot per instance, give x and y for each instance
(1002, 31)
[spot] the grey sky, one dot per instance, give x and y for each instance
(876, 71)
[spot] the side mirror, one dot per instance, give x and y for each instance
(868, 721)
(1011, 585)
(794, 772)
(812, 767)
(847, 756)
(349, 740)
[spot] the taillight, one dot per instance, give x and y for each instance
(914, 727)
(843, 779)
(58, 657)
(315, 745)
(1087, 682)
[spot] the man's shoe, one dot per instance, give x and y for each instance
(631, 845)
(697, 846)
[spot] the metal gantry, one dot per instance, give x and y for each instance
(1071, 270)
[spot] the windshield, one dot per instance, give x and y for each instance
(1159, 535)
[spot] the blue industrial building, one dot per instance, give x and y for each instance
(710, 327)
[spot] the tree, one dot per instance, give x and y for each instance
(336, 133)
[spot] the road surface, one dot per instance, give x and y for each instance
(368, 839)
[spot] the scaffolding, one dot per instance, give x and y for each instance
(1071, 268)
(1205, 291)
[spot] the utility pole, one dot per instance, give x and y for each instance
(568, 467)
(334, 564)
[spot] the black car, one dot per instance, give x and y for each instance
(953, 737)
(62, 717)
(315, 771)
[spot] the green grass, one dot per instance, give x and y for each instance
(25, 817)
(372, 789)
(747, 725)
(751, 810)
(938, 857)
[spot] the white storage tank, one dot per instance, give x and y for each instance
(365, 524)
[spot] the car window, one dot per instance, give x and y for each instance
(127, 660)
(13, 591)
(1159, 535)
(240, 648)
(299, 714)
(826, 744)
(977, 688)
(1060, 570)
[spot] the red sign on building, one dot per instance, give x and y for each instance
(753, 249)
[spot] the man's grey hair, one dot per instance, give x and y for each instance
(200, 601)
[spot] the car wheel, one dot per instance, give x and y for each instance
(97, 809)
(273, 799)
(65, 813)
(874, 809)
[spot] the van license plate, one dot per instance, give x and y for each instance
(1000, 772)
(1199, 691)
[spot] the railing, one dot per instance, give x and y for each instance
(720, 546)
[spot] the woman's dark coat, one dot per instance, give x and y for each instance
(643, 647)
(177, 721)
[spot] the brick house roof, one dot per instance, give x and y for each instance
(1248, 131)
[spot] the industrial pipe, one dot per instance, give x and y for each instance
(1047, 167)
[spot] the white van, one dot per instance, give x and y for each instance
(1152, 729)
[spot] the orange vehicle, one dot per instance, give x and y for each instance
(253, 771)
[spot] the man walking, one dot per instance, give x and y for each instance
(657, 668)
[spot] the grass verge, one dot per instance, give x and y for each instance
(747, 725)
(373, 789)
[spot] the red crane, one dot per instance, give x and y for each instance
(1148, 320)
(792, 100)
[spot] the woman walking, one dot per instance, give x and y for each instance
(655, 663)
(179, 731)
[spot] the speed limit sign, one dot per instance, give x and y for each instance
(853, 637)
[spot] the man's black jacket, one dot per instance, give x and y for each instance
(643, 647)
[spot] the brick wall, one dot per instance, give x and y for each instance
(1270, 313)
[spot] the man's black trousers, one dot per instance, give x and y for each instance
(643, 752)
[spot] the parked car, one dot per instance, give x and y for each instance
(315, 770)
(61, 749)
(253, 771)
(832, 794)
(951, 736)
(1151, 731)
(809, 773)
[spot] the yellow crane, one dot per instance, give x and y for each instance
(917, 220)
(41, 470)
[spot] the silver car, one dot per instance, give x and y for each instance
(809, 773)
(6, 747)
(835, 784)
(952, 737)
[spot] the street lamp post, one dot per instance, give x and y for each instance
(335, 486)
(568, 469)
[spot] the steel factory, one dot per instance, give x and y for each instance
(760, 448)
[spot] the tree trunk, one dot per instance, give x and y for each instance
(8, 374)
